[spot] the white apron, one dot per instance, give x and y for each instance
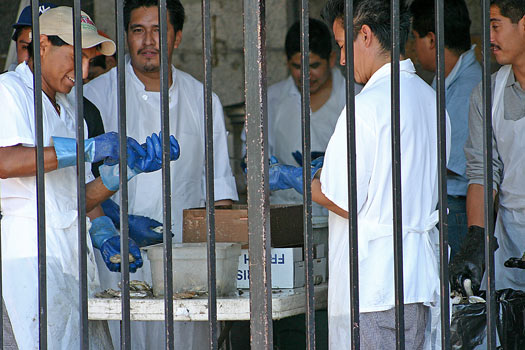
(510, 221)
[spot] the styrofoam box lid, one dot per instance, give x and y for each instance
(195, 251)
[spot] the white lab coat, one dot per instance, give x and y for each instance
(19, 227)
(284, 124)
(419, 182)
(510, 221)
(187, 173)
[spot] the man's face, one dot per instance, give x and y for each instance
(320, 71)
(507, 39)
(143, 39)
(359, 64)
(22, 55)
(425, 51)
(58, 66)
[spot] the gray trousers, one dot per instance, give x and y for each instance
(9, 336)
(378, 329)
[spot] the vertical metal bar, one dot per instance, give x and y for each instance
(125, 331)
(40, 185)
(165, 70)
(81, 178)
(307, 176)
(396, 178)
(258, 190)
(442, 169)
(487, 168)
(210, 188)
(352, 179)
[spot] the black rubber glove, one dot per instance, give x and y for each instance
(469, 262)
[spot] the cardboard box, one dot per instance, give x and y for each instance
(231, 225)
(287, 268)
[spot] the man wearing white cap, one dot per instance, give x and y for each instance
(18, 189)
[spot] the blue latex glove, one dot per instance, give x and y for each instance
(298, 156)
(102, 147)
(105, 237)
(140, 227)
(153, 146)
(283, 177)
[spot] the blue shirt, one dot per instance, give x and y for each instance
(459, 84)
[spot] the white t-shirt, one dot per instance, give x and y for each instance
(419, 182)
(186, 124)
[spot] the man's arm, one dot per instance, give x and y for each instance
(320, 198)
(20, 161)
(475, 205)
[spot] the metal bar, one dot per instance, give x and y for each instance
(165, 70)
(125, 330)
(210, 188)
(487, 168)
(396, 178)
(307, 176)
(257, 159)
(40, 185)
(81, 178)
(442, 169)
(352, 179)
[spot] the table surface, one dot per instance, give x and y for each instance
(285, 303)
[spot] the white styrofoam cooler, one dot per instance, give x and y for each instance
(190, 267)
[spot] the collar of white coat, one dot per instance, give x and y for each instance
(465, 60)
(139, 84)
(25, 73)
(404, 66)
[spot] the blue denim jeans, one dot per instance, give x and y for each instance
(457, 222)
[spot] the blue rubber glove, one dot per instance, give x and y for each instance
(95, 149)
(153, 146)
(283, 177)
(105, 237)
(140, 227)
(298, 156)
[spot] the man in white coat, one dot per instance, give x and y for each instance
(419, 183)
(507, 38)
(186, 110)
(18, 184)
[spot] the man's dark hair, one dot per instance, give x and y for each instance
(320, 39)
(175, 11)
(376, 15)
(53, 39)
(513, 9)
(457, 22)
(17, 32)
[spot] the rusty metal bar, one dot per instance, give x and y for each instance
(165, 70)
(81, 178)
(210, 187)
(439, 11)
(257, 160)
(352, 178)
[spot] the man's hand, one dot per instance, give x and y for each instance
(105, 237)
(283, 176)
(469, 262)
(143, 230)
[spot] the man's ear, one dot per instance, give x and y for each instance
(44, 44)
(431, 40)
(178, 39)
(366, 34)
